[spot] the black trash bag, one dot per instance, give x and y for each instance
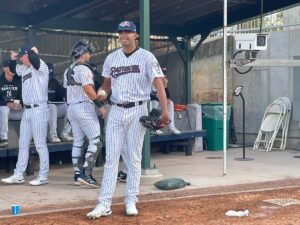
(171, 184)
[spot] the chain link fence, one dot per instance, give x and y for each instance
(55, 46)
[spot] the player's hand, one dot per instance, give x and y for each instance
(18, 106)
(164, 118)
(35, 50)
(13, 55)
(103, 111)
(14, 106)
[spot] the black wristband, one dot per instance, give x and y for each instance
(98, 103)
(34, 59)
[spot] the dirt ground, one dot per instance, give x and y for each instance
(207, 209)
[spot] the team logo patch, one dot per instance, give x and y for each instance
(156, 68)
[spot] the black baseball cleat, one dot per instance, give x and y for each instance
(76, 182)
(122, 176)
(88, 180)
(3, 143)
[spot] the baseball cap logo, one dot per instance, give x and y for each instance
(125, 24)
(22, 51)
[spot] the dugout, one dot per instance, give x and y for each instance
(175, 25)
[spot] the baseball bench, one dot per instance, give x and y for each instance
(13, 147)
(13, 140)
(185, 139)
(189, 122)
(13, 151)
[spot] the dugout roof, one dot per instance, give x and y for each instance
(168, 17)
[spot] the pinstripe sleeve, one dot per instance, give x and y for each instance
(20, 69)
(153, 69)
(65, 79)
(43, 70)
(106, 68)
(86, 75)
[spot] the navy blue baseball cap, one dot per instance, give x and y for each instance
(127, 26)
(24, 50)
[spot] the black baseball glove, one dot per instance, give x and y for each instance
(152, 121)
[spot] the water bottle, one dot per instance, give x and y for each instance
(237, 213)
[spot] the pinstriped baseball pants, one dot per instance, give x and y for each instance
(5, 114)
(34, 124)
(123, 126)
(84, 122)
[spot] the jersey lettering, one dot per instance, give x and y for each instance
(27, 76)
(122, 70)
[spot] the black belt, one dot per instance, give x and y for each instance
(128, 104)
(77, 102)
(31, 106)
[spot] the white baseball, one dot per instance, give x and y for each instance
(101, 93)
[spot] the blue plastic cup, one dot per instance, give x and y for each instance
(15, 210)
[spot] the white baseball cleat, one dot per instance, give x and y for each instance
(66, 138)
(174, 130)
(98, 211)
(131, 209)
(39, 181)
(14, 179)
(54, 139)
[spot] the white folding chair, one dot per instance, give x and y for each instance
(276, 118)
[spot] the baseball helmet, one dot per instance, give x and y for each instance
(80, 47)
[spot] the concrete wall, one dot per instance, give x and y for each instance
(207, 72)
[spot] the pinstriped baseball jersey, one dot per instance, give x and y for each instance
(34, 83)
(131, 77)
(82, 75)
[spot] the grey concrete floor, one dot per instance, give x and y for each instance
(202, 170)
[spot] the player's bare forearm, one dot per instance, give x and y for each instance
(106, 86)
(161, 95)
(89, 90)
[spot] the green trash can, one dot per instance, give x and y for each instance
(212, 122)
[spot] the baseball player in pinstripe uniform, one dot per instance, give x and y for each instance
(35, 76)
(82, 98)
(129, 72)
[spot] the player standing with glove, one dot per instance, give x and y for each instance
(130, 73)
